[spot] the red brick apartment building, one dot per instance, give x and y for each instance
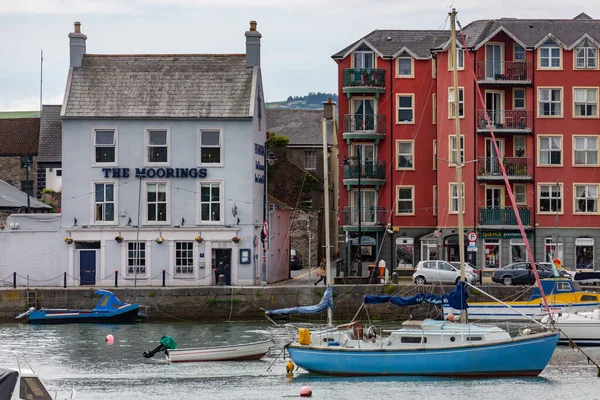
(539, 83)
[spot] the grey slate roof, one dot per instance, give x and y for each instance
(302, 127)
(49, 149)
(160, 86)
(11, 197)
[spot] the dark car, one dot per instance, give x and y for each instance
(295, 260)
(521, 273)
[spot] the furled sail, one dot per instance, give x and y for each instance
(457, 299)
(326, 302)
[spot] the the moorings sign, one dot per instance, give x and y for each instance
(155, 172)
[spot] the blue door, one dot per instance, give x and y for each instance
(87, 267)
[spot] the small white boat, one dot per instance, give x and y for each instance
(583, 328)
(239, 352)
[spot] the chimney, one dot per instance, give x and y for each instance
(253, 46)
(77, 45)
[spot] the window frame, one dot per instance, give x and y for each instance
(199, 162)
(145, 220)
(451, 198)
(586, 88)
(562, 101)
(434, 108)
(405, 56)
(459, 50)
(435, 200)
(461, 89)
(515, 45)
(562, 198)
(147, 131)
(412, 200)
(451, 150)
(314, 153)
(177, 259)
(575, 199)
(514, 97)
(115, 130)
(412, 154)
(587, 165)
(539, 149)
(586, 58)
(520, 185)
(363, 52)
(93, 184)
(550, 45)
(412, 96)
(221, 183)
(146, 259)
(433, 67)
(435, 154)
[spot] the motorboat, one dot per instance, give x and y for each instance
(108, 310)
(583, 328)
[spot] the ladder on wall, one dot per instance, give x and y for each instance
(32, 299)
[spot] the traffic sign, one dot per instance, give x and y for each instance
(472, 236)
(472, 248)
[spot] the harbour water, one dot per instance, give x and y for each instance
(78, 357)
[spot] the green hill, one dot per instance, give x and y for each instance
(312, 101)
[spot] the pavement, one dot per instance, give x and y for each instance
(304, 277)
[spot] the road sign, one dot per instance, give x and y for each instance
(472, 248)
(472, 236)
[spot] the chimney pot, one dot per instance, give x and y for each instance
(253, 26)
(77, 27)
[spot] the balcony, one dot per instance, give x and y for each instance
(503, 217)
(364, 126)
(371, 173)
(517, 168)
(372, 218)
(504, 72)
(505, 121)
(364, 80)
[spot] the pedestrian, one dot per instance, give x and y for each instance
(322, 272)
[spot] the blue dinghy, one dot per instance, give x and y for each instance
(108, 310)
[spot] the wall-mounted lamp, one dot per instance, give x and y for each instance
(74, 221)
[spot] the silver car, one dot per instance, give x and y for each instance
(437, 271)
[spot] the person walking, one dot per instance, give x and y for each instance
(322, 272)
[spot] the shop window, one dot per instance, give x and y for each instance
(584, 253)
(491, 253)
(553, 251)
(518, 251)
(184, 258)
(429, 250)
(405, 251)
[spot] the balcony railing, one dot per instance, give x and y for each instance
(504, 71)
(505, 120)
(369, 216)
(516, 167)
(366, 170)
(364, 123)
(503, 216)
(364, 78)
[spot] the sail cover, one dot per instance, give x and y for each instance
(326, 302)
(457, 299)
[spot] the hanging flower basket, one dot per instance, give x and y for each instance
(198, 239)
(160, 239)
(119, 239)
(236, 239)
(68, 240)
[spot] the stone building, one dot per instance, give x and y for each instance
(49, 159)
(19, 139)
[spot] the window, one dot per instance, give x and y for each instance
(520, 193)
(105, 146)
(364, 59)
(405, 108)
(461, 102)
(518, 251)
(519, 53)
(32, 388)
(454, 198)
(211, 149)
(104, 202)
(550, 56)
(405, 197)
(27, 187)
(552, 251)
(310, 160)
(307, 203)
(586, 57)
(550, 102)
(184, 258)
(434, 67)
(405, 67)
(59, 172)
(585, 150)
(519, 98)
(520, 146)
(491, 253)
(585, 102)
(584, 253)
(434, 154)
(460, 61)
(434, 200)
(550, 150)
(434, 106)
(405, 154)
(453, 149)
(26, 161)
(210, 202)
(586, 199)
(550, 198)
(405, 252)
(156, 202)
(157, 146)
(136, 257)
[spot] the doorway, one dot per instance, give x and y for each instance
(221, 264)
(494, 196)
(492, 163)
(87, 267)
(364, 114)
(494, 107)
(493, 61)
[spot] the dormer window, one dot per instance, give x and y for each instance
(586, 56)
(364, 59)
(405, 66)
(550, 56)
(519, 53)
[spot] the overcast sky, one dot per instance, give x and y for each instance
(299, 36)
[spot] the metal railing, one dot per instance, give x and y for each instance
(364, 77)
(514, 166)
(503, 216)
(503, 71)
(366, 170)
(505, 119)
(369, 215)
(364, 123)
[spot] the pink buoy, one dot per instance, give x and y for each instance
(306, 391)
(110, 339)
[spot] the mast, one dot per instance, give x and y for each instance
(459, 164)
(328, 115)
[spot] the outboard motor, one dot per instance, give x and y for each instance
(166, 343)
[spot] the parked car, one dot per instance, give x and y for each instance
(567, 271)
(295, 260)
(522, 273)
(468, 268)
(437, 271)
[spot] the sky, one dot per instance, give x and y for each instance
(298, 36)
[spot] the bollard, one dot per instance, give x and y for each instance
(394, 278)
(14, 280)
(65, 279)
(164, 277)
(481, 276)
(116, 278)
(221, 280)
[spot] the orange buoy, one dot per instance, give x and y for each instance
(306, 391)
(110, 339)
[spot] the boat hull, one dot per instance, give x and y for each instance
(583, 330)
(241, 352)
(125, 314)
(526, 356)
